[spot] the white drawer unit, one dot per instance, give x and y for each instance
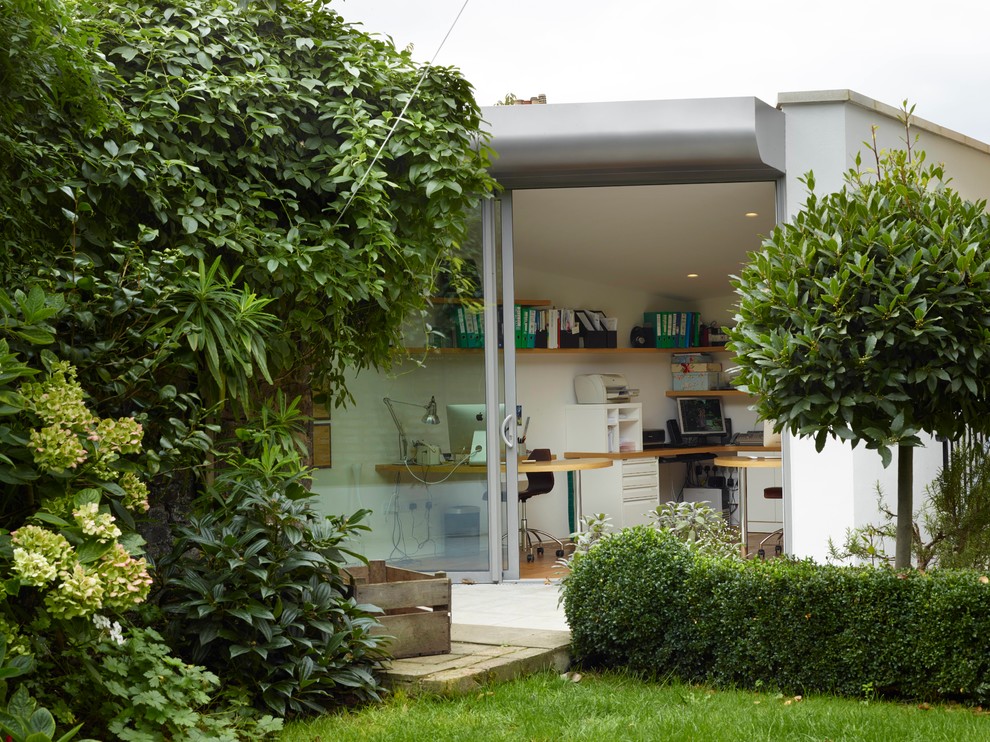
(637, 475)
(640, 490)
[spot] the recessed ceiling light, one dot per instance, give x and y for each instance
(751, 214)
(692, 275)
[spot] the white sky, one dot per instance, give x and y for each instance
(935, 53)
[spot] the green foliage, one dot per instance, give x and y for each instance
(255, 590)
(798, 626)
(865, 317)
(202, 201)
(268, 136)
(958, 513)
(152, 695)
(23, 721)
(621, 597)
(699, 526)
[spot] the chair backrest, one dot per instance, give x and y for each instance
(774, 493)
(538, 482)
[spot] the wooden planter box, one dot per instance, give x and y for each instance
(416, 605)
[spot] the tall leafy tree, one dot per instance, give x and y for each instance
(867, 317)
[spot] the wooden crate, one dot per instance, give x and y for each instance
(416, 605)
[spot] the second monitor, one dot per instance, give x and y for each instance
(701, 416)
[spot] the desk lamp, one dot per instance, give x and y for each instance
(430, 418)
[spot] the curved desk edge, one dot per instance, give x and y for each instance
(566, 464)
(663, 453)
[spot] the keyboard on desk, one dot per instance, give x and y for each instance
(752, 438)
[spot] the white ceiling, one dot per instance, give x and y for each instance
(644, 237)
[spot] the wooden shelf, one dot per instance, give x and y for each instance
(479, 300)
(710, 393)
(574, 351)
(705, 349)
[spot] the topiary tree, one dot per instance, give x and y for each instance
(867, 317)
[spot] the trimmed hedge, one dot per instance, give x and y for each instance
(642, 599)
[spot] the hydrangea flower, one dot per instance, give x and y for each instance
(79, 594)
(59, 400)
(32, 568)
(126, 581)
(123, 434)
(39, 554)
(56, 448)
(95, 523)
(135, 492)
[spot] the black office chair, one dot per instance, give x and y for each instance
(537, 483)
(773, 493)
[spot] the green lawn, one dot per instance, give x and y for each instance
(610, 707)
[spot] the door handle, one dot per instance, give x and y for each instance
(507, 436)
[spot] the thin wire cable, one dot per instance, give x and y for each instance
(402, 113)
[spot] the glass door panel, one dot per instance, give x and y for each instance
(424, 446)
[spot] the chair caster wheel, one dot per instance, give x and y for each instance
(778, 550)
(539, 550)
(762, 554)
(530, 558)
(559, 552)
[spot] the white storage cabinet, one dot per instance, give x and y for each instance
(628, 490)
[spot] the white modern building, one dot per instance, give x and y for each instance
(628, 209)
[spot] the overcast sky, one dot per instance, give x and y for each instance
(935, 54)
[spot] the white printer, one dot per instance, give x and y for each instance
(602, 388)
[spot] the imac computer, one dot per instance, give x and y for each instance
(701, 416)
(463, 421)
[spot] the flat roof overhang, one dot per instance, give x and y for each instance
(705, 140)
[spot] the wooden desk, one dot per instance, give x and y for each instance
(744, 463)
(667, 453)
(525, 466)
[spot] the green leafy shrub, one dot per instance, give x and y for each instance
(642, 599)
(958, 515)
(700, 526)
(622, 596)
(255, 592)
(149, 694)
(23, 721)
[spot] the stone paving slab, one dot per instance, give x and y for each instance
(480, 655)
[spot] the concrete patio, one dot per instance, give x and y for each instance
(499, 631)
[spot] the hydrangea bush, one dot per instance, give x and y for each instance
(70, 558)
(71, 563)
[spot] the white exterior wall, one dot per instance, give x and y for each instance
(829, 492)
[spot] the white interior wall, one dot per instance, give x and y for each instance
(364, 435)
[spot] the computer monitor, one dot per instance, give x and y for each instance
(701, 416)
(463, 420)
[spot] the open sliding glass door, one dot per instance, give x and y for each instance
(500, 387)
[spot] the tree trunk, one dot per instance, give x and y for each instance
(905, 507)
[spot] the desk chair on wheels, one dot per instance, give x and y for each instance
(773, 493)
(537, 483)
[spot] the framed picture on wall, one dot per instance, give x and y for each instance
(322, 444)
